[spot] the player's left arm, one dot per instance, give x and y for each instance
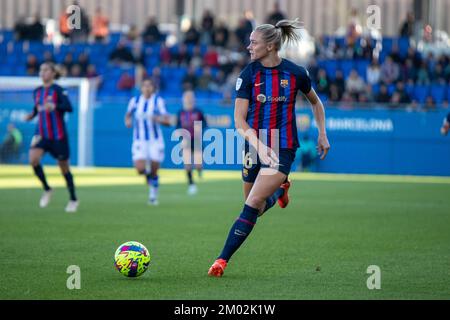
(62, 102)
(163, 118)
(319, 115)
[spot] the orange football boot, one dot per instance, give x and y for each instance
(283, 201)
(217, 268)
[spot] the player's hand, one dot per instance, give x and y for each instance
(267, 155)
(49, 106)
(323, 146)
(128, 122)
(28, 117)
(444, 129)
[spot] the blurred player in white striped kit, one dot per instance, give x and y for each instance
(146, 113)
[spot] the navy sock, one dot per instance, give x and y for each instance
(70, 185)
(39, 172)
(154, 181)
(239, 231)
(270, 201)
(189, 174)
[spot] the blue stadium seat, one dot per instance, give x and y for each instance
(346, 67)
(387, 44)
(438, 93)
(361, 67)
(330, 67)
(420, 93)
(403, 46)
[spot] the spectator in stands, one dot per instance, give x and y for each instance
(83, 62)
(36, 30)
(122, 54)
(322, 83)
(395, 54)
(339, 81)
(221, 35)
(182, 57)
(400, 89)
(395, 101)
(276, 15)
(423, 77)
(132, 34)
(192, 36)
(367, 48)
(383, 95)
(429, 104)
(151, 32)
(197, 58)
(415, 56)
(91, 71)
(157, 79)
(20, 29)
(81, 34)
(354, 28)
(211, 57)
(438, 76)
(389, 71)
(347, 101)
(165, 56)
(230, 84)
(32, 65)
(334, 95)
(64, 24)
(242, 33)
(408, 71)
(190, 80)
(206, 78)
(68, 62)
(373, 73)
(207, 28)
(354, 84)
(218, 83)
(100, 25)
(76, 71)
(126, 81)
(368, 93)
(407, 29)
(48, 57)
(10, 146)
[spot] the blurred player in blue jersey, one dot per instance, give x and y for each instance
(266, 93)
(146, 113)
(193, 121)
(50, 105)
(445, 125)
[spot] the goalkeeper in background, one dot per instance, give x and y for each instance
(446, 125)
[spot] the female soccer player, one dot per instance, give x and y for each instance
(50, 104)
(192, 120)
(145, 114)
(265, 116)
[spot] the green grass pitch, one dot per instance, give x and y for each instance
(319, 247)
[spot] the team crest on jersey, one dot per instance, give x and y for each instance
(261, 98)
(284, 83)
(245, 172)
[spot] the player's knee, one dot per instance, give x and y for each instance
(34, 161)
(140, 170)
(255, 201)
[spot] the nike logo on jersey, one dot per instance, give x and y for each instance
(258, 84)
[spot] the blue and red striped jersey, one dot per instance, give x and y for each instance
(271, 93)
(186, 120)
(51, 123)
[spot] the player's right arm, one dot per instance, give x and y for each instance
(129, 114)
(33, 113)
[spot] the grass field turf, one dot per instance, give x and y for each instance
(342, 223)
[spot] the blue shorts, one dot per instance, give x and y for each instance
(250, 170)
(59, 149)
